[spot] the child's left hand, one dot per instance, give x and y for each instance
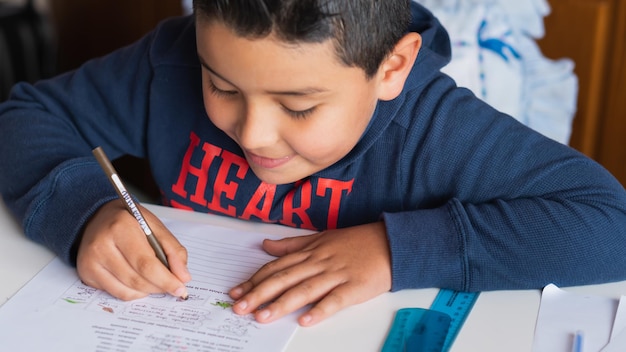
(334, 268)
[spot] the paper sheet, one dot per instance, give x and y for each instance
(56, 312)
(562, 313)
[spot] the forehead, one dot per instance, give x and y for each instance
(268, 57)
(216, 29)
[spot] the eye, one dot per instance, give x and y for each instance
(299, 114)
(219, 92)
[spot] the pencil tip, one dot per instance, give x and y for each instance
(181, 294)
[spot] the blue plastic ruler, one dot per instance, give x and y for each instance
(433, 329)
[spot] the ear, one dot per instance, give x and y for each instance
(396, 67)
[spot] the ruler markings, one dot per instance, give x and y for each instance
(433, 329)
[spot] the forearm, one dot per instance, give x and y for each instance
(54, 211)
(507, 207)
(516, 244)
(48, 177)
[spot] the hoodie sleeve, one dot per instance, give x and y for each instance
(512, 209)
(48, 178)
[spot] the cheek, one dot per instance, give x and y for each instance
(347, 130)
(220, 114)
(328, 139)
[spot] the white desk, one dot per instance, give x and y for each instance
(500, 321)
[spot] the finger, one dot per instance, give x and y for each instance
(178, 264)
(298, 296)
(134, 263)
(276, 269)
(282, 247)
(142, 258)
(262, 288)
(145, 275)
(103, 262)
(339, 298)
(267, 270)
(176, 253)
(288, 245)
(114, 242)
(103, 279)
(136, 267)
(150, 275)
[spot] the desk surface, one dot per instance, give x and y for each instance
(502, 320)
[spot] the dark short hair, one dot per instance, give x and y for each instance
(364, 31)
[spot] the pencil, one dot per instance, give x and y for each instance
(577, 343)
(126, 198)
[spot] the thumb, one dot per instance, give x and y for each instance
(178, 266)
(175, 252)
(176, 256)
(288, 245)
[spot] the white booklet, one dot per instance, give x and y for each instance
(569, 321)
(55, 311)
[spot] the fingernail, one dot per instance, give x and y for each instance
(242, 305)
(264, 314)
(237, 291)
(305, 319)
(182, 293)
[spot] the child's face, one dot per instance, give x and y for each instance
(294, 110)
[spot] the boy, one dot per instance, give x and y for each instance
(314, 114)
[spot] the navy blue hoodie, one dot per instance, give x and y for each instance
(471, 199)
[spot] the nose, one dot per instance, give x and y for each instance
(258, 127)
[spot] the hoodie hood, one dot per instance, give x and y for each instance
(436, 50)
(434, 54)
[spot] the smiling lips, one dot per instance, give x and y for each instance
(268, 163)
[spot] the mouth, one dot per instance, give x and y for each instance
(267, 163)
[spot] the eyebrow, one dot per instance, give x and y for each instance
(300, 92)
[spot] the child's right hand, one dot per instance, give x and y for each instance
(115, 256)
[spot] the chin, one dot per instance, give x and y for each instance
(277, 177)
